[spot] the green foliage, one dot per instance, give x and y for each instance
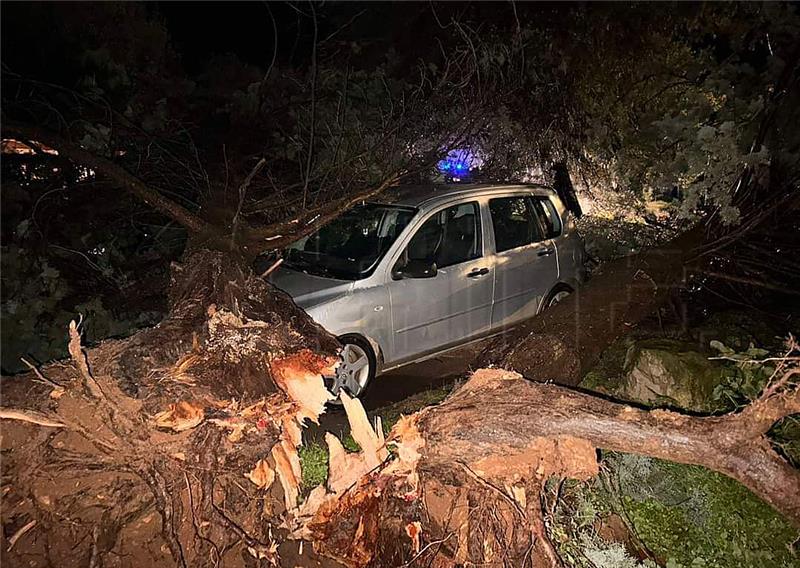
(680, 123)
(689, 517)
(314, 463)
(785, 438)
(573, 529)
(745, 379)
(38, 304)
(30, 299)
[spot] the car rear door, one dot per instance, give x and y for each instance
(526, 263)
(429, 314)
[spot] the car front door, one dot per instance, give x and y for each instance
(429, 314)
(526, 264)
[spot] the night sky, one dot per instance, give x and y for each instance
(201, 30)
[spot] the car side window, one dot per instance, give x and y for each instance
(548, 216)
(514, 221)
(448, 237)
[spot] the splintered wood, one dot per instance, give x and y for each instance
(343, 518)
(262, 475)
(300, 377)
(345, 469)
(180, 416)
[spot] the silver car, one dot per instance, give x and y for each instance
(430, 268)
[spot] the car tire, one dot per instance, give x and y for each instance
(356, 370)
(558, 293)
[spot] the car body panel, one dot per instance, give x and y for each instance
(430, 313)
(309, 290)
(522, 280)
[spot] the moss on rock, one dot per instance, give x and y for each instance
(656, 372)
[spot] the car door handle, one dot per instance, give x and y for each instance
(546, 252)
(478, 272)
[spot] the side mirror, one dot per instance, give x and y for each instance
(415, 269)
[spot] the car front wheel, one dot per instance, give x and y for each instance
(356, 368)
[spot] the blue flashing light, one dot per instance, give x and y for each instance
(457, 161)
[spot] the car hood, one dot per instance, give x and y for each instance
(308, 290)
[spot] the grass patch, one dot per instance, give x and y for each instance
(314, 461)
(688, 516)
(698, 517)
(392, 413)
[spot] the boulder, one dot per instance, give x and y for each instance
(671, 373)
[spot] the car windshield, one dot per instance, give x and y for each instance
(350, 246)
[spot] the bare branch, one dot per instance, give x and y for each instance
(114, 172)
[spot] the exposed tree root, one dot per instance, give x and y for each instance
(221, 386)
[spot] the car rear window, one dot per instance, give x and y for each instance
(514, 222)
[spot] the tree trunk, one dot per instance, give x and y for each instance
(469, 474)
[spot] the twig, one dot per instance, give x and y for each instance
(427, 546)
(242, 193)
(539, 530)
(39, 374)
(29, 416)
(312, 126)
(489, 484)
(269, 270)
(751, 282)
(94, 559)
(114, 172)
(17, 535)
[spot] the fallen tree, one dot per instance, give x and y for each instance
(183, 438)
(473, 469)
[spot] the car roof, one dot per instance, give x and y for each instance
(421, 195)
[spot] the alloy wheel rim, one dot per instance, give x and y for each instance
(353, 370)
